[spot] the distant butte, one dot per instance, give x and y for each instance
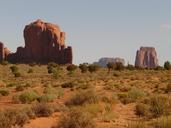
(44, 42)
(146, 57)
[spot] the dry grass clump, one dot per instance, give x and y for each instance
(42, 109)
(131, 96)
(82, 97)
(76, 118)
(11, 118)
(155, 106)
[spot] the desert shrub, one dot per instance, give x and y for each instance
(11, 118)
(83, 67)
(159, 105)
(20, 87)
(56, 72)
(71, 68)
(130, 67)
(4, 91)
(124, 98)
(42, 110)
(83, 97)
(14, 69)
(11, 85)
(17, 74)
(167, 65)
(76, 118)
(49, 90)
(119, 66)
(28, 96)
(30, 71)
(131, 96)
(93, 109)
(4, 62)
(93, 68)
(142, 109)
(47, 98)
(51, 66)
(68, 85)
(110, 99)
(136, 93)
(50, 70)
(110, 66)
(158, 68)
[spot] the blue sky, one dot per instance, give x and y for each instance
(94, 28)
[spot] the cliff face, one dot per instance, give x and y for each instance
(44, 42)
(146, 57)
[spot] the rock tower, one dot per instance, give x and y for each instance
(146, 57)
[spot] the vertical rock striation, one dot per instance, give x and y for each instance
(146, 57)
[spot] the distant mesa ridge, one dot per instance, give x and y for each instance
(44, 42)
(105, 60)
(146, 57)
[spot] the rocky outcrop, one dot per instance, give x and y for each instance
(146, 57)
(104, 61)
(4, 52)
(44, 42)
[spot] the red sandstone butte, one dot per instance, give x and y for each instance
(146, 57)
(44, 42)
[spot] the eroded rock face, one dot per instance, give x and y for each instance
(44, 42)
(4, 52)
(104, 61)
(146, 57)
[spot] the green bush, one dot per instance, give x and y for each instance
(130, 67)
(167, 65)
(28, 96)
(119, 66)
(93, 68)
(14, 69)
(76, 118)
(4, 91)
(71, 68)
(83, 67)
(30, 71)
(110, 66)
